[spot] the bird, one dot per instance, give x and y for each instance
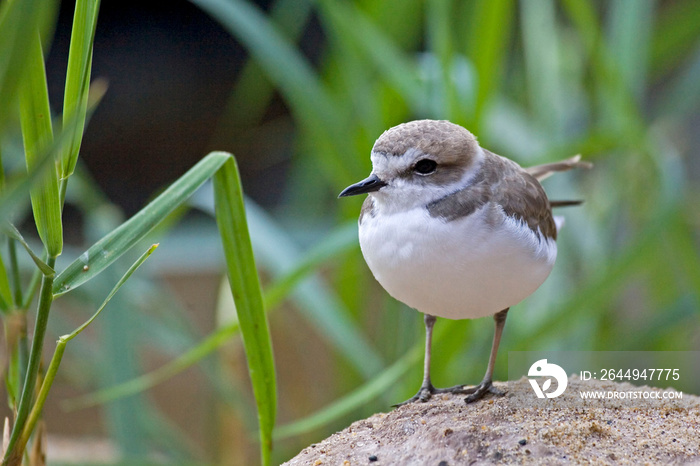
(456, 231)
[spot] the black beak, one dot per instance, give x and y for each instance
(368, 185)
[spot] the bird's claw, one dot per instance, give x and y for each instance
(424, 394)
(475, 393)
(478, 392)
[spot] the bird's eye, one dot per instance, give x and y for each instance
(425, 166)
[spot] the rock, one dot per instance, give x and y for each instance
(512, 429)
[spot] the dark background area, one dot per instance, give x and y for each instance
(170, 73)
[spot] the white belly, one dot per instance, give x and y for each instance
(461, 269)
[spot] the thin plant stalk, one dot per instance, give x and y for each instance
(14, 267)
(31, 289)
(13, 454)
(43, 394)
(60, 349)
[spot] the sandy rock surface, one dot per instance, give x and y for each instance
(513, 429)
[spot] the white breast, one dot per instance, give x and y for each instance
(466, 268)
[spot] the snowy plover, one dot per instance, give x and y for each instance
(454, 230)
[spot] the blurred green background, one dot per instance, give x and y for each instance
(298, 91)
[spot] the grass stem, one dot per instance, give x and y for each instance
(46, 384)
(14, 267)
(13, 454)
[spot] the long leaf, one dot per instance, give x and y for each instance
(75, 100)
(103, 253)
(60, 348)
(12, 232)
(245, 286)
(37, 133)
(19, 20)
(15, 195)
(111, 294)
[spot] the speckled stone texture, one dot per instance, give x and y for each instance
(509, 429)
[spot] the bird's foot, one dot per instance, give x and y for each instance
(476, 393)
(424, 394)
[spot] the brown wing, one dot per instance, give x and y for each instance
(503, 183)
(520, 194)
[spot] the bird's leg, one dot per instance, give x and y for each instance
(426, 388)
(476, 393)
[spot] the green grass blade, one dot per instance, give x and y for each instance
(15, 273)
(13, 233)
(13, 377)
(6, 300)
(245, 286)
(19, 21)
(14, 451)
(50, 375)
(37, 134)
(2, 173)
(108, 249)
(75, 100)
(14, 197)
(111, 294)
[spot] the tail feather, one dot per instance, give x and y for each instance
(546, 170)
(565, 203)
